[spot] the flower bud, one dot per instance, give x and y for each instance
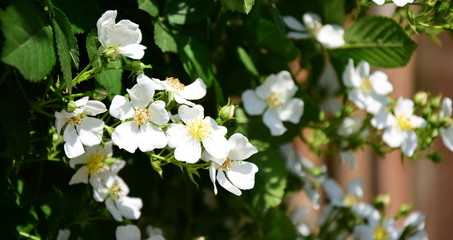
(421, 98)
(226, 112)
(136, 67)
(99, 94)
(111, 54)
(71, 106)
(403, 210)
(435, 102)
(382, 201)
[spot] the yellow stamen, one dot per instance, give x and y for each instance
(275, 100)
(115, 191)
(96, 163)
(199, 128)
(405, 122)
(141, 116)
(76, 120)
(349, 200)
(226, 166)
(366, 85)
(174, 83)
(380, 233)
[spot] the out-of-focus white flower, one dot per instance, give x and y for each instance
(231, 172)
(348, 157)
(94, 162)
(79, 129)
(329, 35)
(141, 132)
(340, 199)
(367, 91)
(180, 92)
(154, 233)
(187, 138)
(275, 97)
(297, 216)
(128, 232)
(399, 127)
(414, 225)
(446, 132)
(399, 3)
(124, 37)
(113, 190)
(63, 234)
(376, 230)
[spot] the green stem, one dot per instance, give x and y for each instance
(29, 236)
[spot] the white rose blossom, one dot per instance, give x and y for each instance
(141, 131)
(124, 36)
(196, 131)
(340, 199)
(231, 172)
(399, 3)
(399, 127)
(329, 35)
(446, 132)
(79, 129)
(93, 161)
(131, 232)
(368, 92)
(180, 92)
(112, 190)
(275, 97)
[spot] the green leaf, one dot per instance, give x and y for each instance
(148, 6)
(381, 41)
(332, 11)
(28, 44)
(278, 20)
(278, 226)
(82, 14)
(243, 6)
(163, 39)
(66, 46)
(108, 79)
(196, 61)
(188, 12)
(247, 61)
(270, 180)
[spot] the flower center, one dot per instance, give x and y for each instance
(96, 163)
(199, 128)
(349, 200)
(76, 120)
(275, 100)
(175, 84)
(141, 116)
(226, 166)
(115, 191)
(380, 233)
(366, 85)
(404, 122)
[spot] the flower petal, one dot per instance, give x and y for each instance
(124, 33)
(73, 147)
(130, 207)
(291, 111)
(128, 232)
(216, 146)
(293, 23)
(194, 91)
(334, 192)
(225, 183)
(141, 93)
(312, 21)
(242, 174)
(94, 107)
(446, 108)
(110, 205)
(121, 108)
(331, 36)
(150, 137)
(404, 107)
(134, 51)
(90, 131)
(273, 122)
(379, 82)
(212, 175)
(186, 112)
(409, 144)
(81, 176)
(447, 137)
(157, 113)
(355, 187)
(105, 25)
(393, 136)
(240, 147)
(125, 136)
(176, 134)
(189, 150)
(253, 104)
(351, 77)
(298, 35)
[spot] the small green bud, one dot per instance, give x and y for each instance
(136, 67)
(227, 112)
(435, 102)
(436, 157)
(382, 201)
(71, 106)
(421, 98)
(446, 122)
(403, 210)
(99, 94)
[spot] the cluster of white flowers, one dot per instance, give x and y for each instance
(399, 3)
(143, 123)
(328, 35)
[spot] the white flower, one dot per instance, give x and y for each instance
(329, 35)
(414, 225)
(187, 138)
(124, 36)
(446, 133)
(338, 198)
(348, 157)
(94, 163)
(399, 3)
(79, 129)
(154, 233)
(231, 172)
(63, 234)
(141, 132)
(376, 230)
(367, 91)
(180, 92)
(275, 97)
(113, 190)
(399, 128)
(128, 232)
